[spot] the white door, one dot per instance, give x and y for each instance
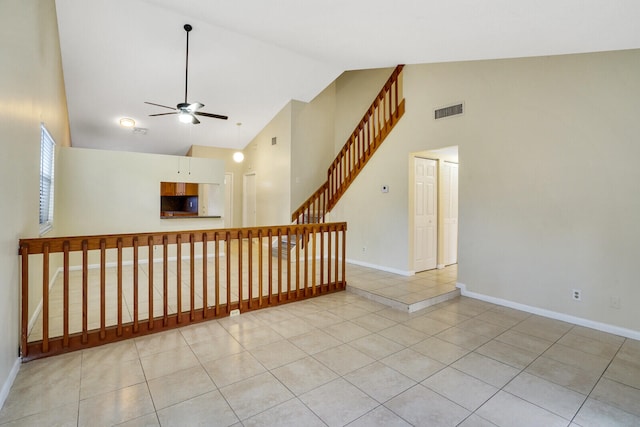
(425, 210)
(249, 205)
(450, 212)
(228, 200)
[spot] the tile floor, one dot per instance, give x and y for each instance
(343, 359)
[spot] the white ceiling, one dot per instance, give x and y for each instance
(248, 58)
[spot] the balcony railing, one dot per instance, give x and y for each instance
(112, 287)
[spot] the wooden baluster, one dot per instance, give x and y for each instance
(288, 263)
(298, 241)
(119, 327)
(24, 253)
(321, 258)
(393, 110)
(150, 265)
(45, 298)
(270, 278)
(65, 294)
(217, 273)
(344, 257)
(337, 258)
(165, 280)
(279, 265)
(328, 258)
(260, 262)
(228, 259)
(85, 289)
(305, 235)
(205, 255)
(239, 269)
(136, 305)
(313, 263)
(192, 277)
(103, 289)
(179, 278)
(250, 266)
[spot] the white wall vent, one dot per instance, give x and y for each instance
(451, 110)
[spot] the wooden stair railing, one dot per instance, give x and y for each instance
(378, 121)
(89, 305)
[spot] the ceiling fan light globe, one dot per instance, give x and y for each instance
(185, 118)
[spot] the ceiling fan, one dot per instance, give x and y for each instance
(187, 112)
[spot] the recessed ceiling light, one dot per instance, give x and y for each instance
(127, 122)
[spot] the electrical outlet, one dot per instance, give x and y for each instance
(576, 294)
(615, 302)
(364, 249)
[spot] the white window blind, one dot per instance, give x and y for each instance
(47, 152)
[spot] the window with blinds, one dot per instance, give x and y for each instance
(47, 151)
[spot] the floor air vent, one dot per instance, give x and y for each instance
(451, 110)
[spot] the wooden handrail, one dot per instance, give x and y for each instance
(206, 302)
(379, 119)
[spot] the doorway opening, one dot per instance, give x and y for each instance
(433, 209)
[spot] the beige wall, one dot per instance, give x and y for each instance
(31, 92)
(230, 166)
(108, 192)
(311, 144)
(272, 166)
(548, 180)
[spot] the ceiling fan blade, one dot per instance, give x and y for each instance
(215, 116)
(160, 105)
(194, 120)
(195, 106)
(163, 114)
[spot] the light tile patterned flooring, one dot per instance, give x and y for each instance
(342, 359)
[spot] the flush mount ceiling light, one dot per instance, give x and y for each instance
(238, 157)
(126, 122)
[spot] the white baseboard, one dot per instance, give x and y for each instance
(6, 387)
(440, 266)
(381, 268)
(604, 327)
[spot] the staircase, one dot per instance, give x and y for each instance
(380, 118)
(385, 111)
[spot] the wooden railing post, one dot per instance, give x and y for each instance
(65, 294)
(165, 280)
(119, 302)
(45, 298)
(136, 305)
(85, 290)
(192, 277)
(205, 255)
(150, 266)
(24, 253)
(179, 277)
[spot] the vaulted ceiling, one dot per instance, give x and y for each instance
(248, 58)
